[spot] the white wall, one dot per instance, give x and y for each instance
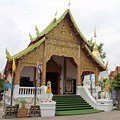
(71, 70)
(28, 72)
(86, 81)
(9, 78)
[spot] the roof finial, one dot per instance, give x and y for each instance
(95, 51)
(95, 32)
(30, 36)
(106, 64)
(56, 13)
(37, 31)
(7, 54)
(69, 4)
(95, 35)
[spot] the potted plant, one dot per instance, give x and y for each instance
(22, 111)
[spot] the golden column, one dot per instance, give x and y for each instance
(17, 74)
(43, 80)
(78, 69)
(96, 76)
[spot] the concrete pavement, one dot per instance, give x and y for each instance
(112, 115)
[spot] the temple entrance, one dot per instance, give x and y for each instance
(70, 86)
(53, 78)
(62, 72)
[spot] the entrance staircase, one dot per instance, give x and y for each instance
(72, 105)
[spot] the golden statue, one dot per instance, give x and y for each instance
(49, 92)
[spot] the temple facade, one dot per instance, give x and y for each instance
(64, 56)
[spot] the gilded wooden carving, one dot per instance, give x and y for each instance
(86, 64)
(34, 56)
(62, 51)
(62, 41)
(63, 31)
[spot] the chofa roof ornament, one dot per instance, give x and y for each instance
(7, 54)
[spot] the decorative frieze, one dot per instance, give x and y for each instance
(34, 56)
(86, 63)
(63, 31)
(62, 51)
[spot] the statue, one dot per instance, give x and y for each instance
(49, 91)
(107, 90)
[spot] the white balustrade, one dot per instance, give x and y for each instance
(100, 104)
(29, 91)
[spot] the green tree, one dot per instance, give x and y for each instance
(1, 85)
(115, 83)
(102, 83)
(1, 82)
(102, 53)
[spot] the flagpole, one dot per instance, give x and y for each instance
(91, 88)
(36, 78)
(13, 76)
(91, 83)
(35, 88)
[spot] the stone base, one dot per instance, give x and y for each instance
(48, 109)
(105, 104)
(22, 112)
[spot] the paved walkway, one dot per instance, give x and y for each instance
(112, 115)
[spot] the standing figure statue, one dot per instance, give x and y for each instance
(49, 91)
(107, 90)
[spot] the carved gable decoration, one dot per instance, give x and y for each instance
(86, 62)
(63, 31)
(34, 56)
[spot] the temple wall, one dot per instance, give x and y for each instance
(71, 70)
(28, 72)
(9, 78)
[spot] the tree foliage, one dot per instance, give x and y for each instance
(102, 83)
(1, 85)
(115, 83)
(100, 49)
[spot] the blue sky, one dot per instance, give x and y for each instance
(18, 18)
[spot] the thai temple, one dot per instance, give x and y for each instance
(61, 55)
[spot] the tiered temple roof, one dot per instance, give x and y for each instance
(40, 38)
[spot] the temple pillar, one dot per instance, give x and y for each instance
(17, 82)
(64, 74)
(43, 80)
(79, 81)
(96, 77)
(17, 75)
(96, 82)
